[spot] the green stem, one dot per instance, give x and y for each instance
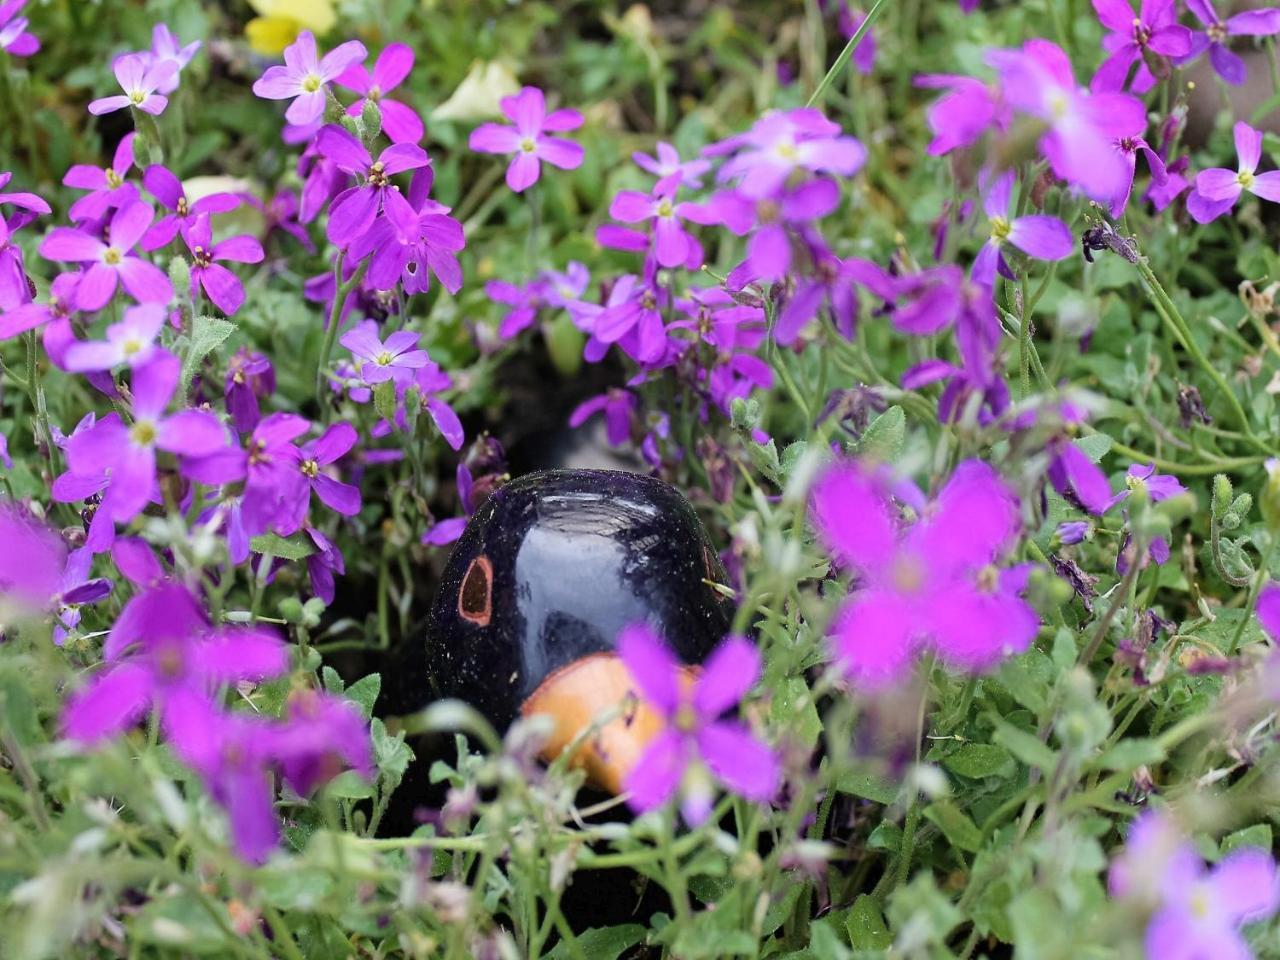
(846, 53)
(341, 292)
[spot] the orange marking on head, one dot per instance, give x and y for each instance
(475, 596)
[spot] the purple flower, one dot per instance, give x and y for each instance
(392, 360)
(1248, 23)
(128, 453)
(411, 241)
(672, 243)
(167, 188)
(1128, 148)
(431, 381)
(1072, 531)
(31, 562)
(323, 564)
(249, 376)
(330, 446)
(107, 187)
(321, 735)
(1038, 236)
(1157, 487)
(933, 585)
(1156, 29)
(139, 81)
(304, 78)
(1218, 189)
(164, 654)
(110, 263)
(668, 165)
(780, 144)
(75, 589)
(1038, 80)
(693, 732)
(219, 284)
(961, 116)
(634, 321)
(864, 54)
(399, 122)
(14, 291)
(527, 139)
(237, 774)
(167, 48)
(14, 38)
(1077, 479)
(1198, 911)
(354, 210)
(618, 407)
(131, 341)
(524, 299)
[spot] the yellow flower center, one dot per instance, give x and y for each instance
(787, 150)
(183, 209)
(1058, 104)
(111, 256)
(527, 145)
(383, 359)
(377, 174)
(131, 346)
(312, 83)
(143, 433)
(375, 93)
(1000, 228)
(137, 96)
(665, 209)
(988, 578)
(113, 179)
(1245, 179)
(686, 718)
(309, 468)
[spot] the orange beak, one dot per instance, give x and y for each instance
(575, 696)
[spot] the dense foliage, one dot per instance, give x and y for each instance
(955, 321)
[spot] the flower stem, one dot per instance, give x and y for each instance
(341, 291)
(843, 59)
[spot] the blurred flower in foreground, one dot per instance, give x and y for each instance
(1197, 911)
(1216, 33)
(934, 585)
(14, 38)
(693, 729)
(31, 558)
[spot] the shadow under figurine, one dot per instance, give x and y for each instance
(530, 605)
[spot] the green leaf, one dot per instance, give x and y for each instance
(1027, 747)
(885, 435)
(365, 692)
(349, 785)
(332, 682)
(868, 787)
(207, 334)
(295, 887)
(298, 549)
(1128, 755)
(1095, 446)
(601, 943)
(1258, 835)
(866, 927)
(391, 755)
(180, 922)
(793, 707)
(954, 824)
(978, 760)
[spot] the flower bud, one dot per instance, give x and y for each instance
(371, 118)
(1269, 496)
(180, 275)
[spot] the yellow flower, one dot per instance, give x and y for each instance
(280, 21)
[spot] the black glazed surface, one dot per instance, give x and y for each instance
(575, 556)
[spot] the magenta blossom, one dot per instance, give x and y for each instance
(165, 654)
(14, 38)
(31, 562)
(393, 360)
(219, 284)
(127, 453)
(633, 320)
(527, 139)
(524, 299)
(140, 81)
(1128, 148)
(782, 143)
(167, 48)
(1036, 235)
(1263, 22)
(250, 376)
(354, 210)
(963, 114)
(108, 189)
(1198, 911)
(1156, 28)
(304, 78)
(110, 263)
(315, 455)
(167, 188)
(14, 292)
(399, 122)
(695, 738)
(668, 165)
(1218, 189)
(934, 585)
(131, 341)
(412, 241)
(864, 54)
(618, 407)
(672, 242)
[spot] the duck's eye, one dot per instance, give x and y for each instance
(475, 599)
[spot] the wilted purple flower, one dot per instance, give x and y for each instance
(672, 242)
(668, 165)
(934, 585)
(1038, 236)
(110, 263)
(1072, 531)
(354, 209)
(411, 241)
(1038, 79)
(527, 139)
(961, 116)
(316, 454)
(128, 453)
(282, 212)
(304, 78)
(323, 565)
(6, 461)
(140, 81)
(1248, 23)
(693, 729)
(108, 190)
(392, 360)
(250, 375)
(220, 285)
(1128, 149)
(167, 188)
(1198, 911)
(399, 122)
(1218, 189)
(1156, 28)
(167, 48)
(164, 654)
(618, 406)
(781, 143)
(14, 38)
(131, 341)
(1157, 488)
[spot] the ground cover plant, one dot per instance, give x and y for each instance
(955, 321)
